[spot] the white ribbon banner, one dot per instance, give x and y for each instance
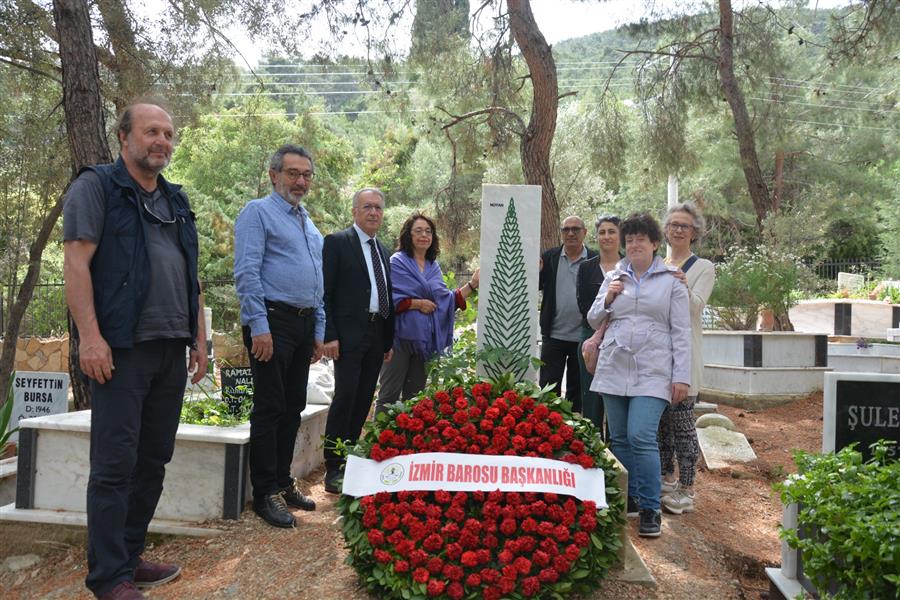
(432, 471)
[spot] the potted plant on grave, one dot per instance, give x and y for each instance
(753, 282)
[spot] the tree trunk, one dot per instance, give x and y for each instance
(538, 139)
(131, 76)
(26, 290)
(756, 184)
(778, 194)
(85, 125)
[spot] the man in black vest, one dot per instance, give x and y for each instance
(560, 315)
(132, 287)
(359, 323)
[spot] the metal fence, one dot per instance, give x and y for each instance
(830, 270)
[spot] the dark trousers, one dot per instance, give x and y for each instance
(279, 396)
(400, 379)
(591, 402)
(134, 418)
(560, 356)
(355, 377)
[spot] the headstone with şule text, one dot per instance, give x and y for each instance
(861, 408)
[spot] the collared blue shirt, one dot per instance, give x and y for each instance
(277, 257)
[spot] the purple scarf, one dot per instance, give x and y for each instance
(424, 335)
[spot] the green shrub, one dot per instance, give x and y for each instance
(752, 280)
(850, 516)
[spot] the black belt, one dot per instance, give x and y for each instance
(372, 317)
(281, 306)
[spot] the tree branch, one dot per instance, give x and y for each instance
(30, 69)
(457, 119)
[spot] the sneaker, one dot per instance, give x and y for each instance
(679, 501)
(632, 509)
(667, 487)
(294, 497)
(123, 591)
(651, 523)
(149, 574)
(273, 510)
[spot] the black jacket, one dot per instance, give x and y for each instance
(347, 289)
(590, 276)
(120, 267)
(547, 282)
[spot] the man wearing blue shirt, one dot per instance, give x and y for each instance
(278, 276)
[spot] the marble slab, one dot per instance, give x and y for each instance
(308, 447)
(510, 256)
(8, 469)
(778, 348)
(721, 447)
(9, 512)
(868, 318)
(763, 380)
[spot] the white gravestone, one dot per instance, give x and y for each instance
(508, 294)
(37, 394)
(850, 281)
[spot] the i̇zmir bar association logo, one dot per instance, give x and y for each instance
(392, 474)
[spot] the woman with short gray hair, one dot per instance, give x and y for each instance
(677, 434)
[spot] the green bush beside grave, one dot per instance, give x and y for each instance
(849, 521)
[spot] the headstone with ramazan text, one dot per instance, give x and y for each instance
(37, 394)
(508, 292)
(237, 385)
(861, 408)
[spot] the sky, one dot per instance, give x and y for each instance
(565, 19)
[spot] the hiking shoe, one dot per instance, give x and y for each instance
(294, 497)
(123, 591)
(679, 501)
(150, 574)
(667, 487)
(632, 509)
(273, 510)
(651, 523)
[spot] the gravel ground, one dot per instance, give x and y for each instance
(717, 552)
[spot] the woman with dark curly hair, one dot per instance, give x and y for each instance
(425, 310)
(644, 361)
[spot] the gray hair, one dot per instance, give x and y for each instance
(691, 209)
(373, 190)
(277, 162)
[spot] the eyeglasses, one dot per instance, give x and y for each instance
(294, 175)
(154, 218)
(565, 230)
(680, 226)
(421, 231)
(371, 207)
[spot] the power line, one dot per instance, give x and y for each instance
(777, 101)
(843, 125)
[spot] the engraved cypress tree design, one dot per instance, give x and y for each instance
(507, 325)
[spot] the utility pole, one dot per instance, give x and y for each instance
(672, 201)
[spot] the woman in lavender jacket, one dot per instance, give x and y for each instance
(644, 361)
(425, 310)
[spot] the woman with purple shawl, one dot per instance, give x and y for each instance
(425, 310)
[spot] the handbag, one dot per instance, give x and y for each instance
(590, 348)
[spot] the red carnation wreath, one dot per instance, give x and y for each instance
(483, 544)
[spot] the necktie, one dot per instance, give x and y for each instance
(380, 283)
